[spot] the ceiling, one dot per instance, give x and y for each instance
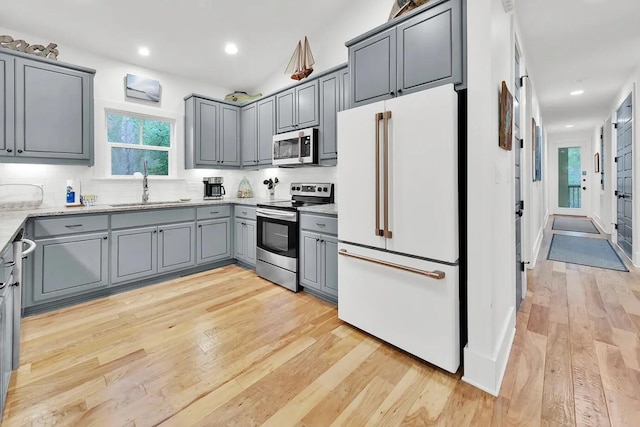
(590, 45)
(185, 37)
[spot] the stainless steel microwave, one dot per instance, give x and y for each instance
(299, 147)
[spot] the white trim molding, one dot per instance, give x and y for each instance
(508, 5)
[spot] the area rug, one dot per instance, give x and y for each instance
(585, 251)
(573, 224)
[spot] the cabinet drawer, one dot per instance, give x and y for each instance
(214, 211)
(322, 224)
(70, 224)
(247, 212)
(152, 217)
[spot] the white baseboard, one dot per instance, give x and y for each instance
(486, 372)
(536, 248)
(599, 223)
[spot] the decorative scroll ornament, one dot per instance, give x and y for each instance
(35, 49)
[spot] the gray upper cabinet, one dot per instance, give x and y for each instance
(7, 142)
(430, 49)
(46, 112)
(68, 266)
(213, 240)
(249, 135)
(423, 50)
(372, 66)
(330, 100)
(266, 128)
(298, 107)
(176, 247)
(212, 134)
(134, 254)
(229, 135)
(345, 91)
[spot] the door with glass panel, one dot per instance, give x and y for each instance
(572, 185)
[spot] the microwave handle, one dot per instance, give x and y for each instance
(300, 136)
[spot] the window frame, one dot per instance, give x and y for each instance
(171, 119)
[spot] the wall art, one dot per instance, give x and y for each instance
(142, 88)
(506, 118)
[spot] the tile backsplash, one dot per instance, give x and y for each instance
(188, 184)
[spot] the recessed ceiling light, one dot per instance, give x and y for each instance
(577, 92)
(569, 126)
(231, 48)
(144, 51)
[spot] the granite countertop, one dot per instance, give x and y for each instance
(330, 209)
(12, 221)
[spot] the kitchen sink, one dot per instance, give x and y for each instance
(138, 204)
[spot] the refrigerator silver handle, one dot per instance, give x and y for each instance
(435, 274)
(378, 231)
(387, 233)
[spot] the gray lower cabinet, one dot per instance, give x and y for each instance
(134, 254)
(6, 343)
(176, 247)
(319, 263)
(68, 266)
(213, 240)
(298, 107)
(245, 241)
(46, 112)
(420, 52)
(212, 134)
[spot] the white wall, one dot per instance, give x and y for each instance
(328, 45)
(109, 93)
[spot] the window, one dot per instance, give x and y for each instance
(133, 139)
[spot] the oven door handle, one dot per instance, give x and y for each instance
(270, 213)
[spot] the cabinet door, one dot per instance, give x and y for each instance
(345, 89)
(240, 247)
(266, 130)
(310, 259)
(286, 110)
(329, 264)
(214, 240)
(206, 132)
(430, 49)
(176, 247)
(229, 135)
(54, 112)
(248, 135)
(7, 107)
(5, 351)
(329, 106)
(68, 266)
(372, 66)
(307, 105)
(250, 242)
(134, 254)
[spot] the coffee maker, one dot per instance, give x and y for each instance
(213, 188)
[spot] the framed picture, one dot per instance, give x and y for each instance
(534, 126)
(142, 88)
(597, 162)
(506, 118)
(538, 155)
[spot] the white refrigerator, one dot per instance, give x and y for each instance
(398, 266)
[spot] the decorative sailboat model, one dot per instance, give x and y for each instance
(301, 63)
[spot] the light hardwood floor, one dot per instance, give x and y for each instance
(228, 348)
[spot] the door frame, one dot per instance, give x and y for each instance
(586, 159)
(635, 255)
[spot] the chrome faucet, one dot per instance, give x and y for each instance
(145, 184)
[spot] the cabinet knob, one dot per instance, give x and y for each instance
(19, 151)
(155, 231)
(105, 238)
(399, 91)
(9, 150)
(222, 161)
(200, 226)
(161, 231)
(392, 93)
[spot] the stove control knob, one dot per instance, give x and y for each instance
(298, 188)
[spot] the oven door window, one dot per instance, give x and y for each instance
(278, 237)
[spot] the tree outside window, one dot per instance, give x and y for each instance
(136, 139)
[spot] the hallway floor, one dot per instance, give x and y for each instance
(576, 355)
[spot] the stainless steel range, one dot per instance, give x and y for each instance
(277, 235)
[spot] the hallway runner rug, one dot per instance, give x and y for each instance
(573, 224)
(585, 251)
